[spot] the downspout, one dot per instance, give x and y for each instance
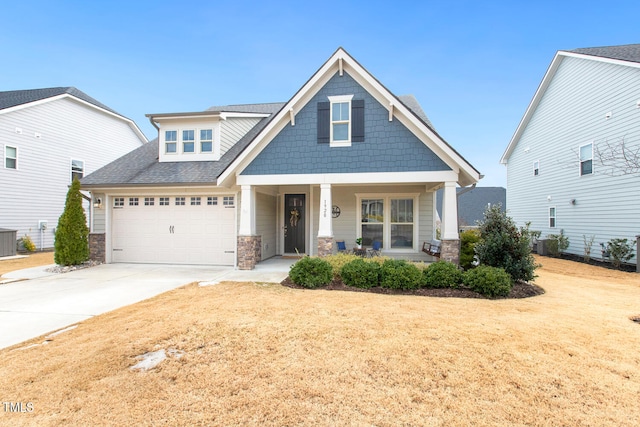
(154, 124)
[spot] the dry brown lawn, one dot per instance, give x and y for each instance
(257, 354)
(35, 259)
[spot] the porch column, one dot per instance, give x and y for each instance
(325, 225)
(450, 249)
(249, 245)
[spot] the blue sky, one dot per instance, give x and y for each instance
(473, 66)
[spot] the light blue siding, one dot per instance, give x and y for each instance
(572, 112)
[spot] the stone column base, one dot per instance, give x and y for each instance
(249, 251)
(325, 246)
(97, 247)
(450, 251)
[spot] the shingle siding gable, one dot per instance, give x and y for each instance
(387, 147)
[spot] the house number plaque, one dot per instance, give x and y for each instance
(335, 211)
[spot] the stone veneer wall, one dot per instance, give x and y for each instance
(325, 246)
(249, 251)
(450, 251)
(97, 247)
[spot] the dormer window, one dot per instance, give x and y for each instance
(206, 140)
(170, 141)
(188, 141)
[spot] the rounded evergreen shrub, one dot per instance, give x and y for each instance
(311, 272)
(468, 240)
(399, 274)
(489, 281)
(360, 273)
(442, 274)
(339, 260)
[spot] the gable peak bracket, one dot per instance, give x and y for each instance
(292, 116)
(340, 67)
(391, 111)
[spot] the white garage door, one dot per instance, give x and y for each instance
(174, 230)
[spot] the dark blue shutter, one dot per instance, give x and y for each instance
(324, 122)
(357, 120)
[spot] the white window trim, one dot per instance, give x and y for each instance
(580, 160)
(164, 142)
(337, 100)
(193, 141)
(555, 217)
(200, 140)
(6, 157)
(386, 224)
(71, 168)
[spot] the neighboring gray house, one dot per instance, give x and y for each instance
(48, 136)
(234, 185)
(473, 202)
(573, 163)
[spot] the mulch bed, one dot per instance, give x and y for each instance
(519, 290)
(631, 268)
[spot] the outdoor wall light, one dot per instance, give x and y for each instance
(572, 201)
(548, 198)
(97, 203)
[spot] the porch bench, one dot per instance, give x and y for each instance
(432, 248)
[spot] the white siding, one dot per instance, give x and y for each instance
(233, 129)
(68, 130)
(572, 113)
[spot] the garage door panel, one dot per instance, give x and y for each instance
(177, 234)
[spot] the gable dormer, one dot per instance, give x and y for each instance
(200, 136)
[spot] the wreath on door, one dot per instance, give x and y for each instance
(293, 219)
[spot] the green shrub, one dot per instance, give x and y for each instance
(503, 245)
(339, 260)
(72, 234)
(360, 273)
(311, 272)
(620, 250)
(468, 240)
(27, 243)
(442, 274)
(489, 281)
(399, 274)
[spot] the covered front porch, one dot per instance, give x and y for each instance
(307, 219)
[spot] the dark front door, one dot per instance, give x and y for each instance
(294, 223)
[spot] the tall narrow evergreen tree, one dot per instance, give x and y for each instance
(72, 234)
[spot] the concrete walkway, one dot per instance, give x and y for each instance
(46, 302)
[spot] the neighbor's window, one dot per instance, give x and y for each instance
(188, 141)
(586, 159)
(77, 169)
(401, 222)
(536, 168)
(10, 157)
(552, 217)
(206, 140)
(340, 131)
(170, 141)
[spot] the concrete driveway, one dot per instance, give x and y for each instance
(48, 302)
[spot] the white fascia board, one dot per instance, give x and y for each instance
(130, 122)
(348, 178)
(159, 190)
(224, 115)
(181, 116)
(600, 59)
(542, 87)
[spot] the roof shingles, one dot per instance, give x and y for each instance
(627, 52)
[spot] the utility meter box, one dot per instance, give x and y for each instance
(42, 224)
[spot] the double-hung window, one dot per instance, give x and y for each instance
(340, 120)
(552, 217)
(188, 141)
(77, 169)
(389, 219)
(586, 159)
(170, 141)
(10, 157)
(206, 140)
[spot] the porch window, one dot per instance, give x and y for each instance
(401, 223)
(372, 221)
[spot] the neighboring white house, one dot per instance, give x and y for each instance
(573, 163)
(48, 136)
(234, 185)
